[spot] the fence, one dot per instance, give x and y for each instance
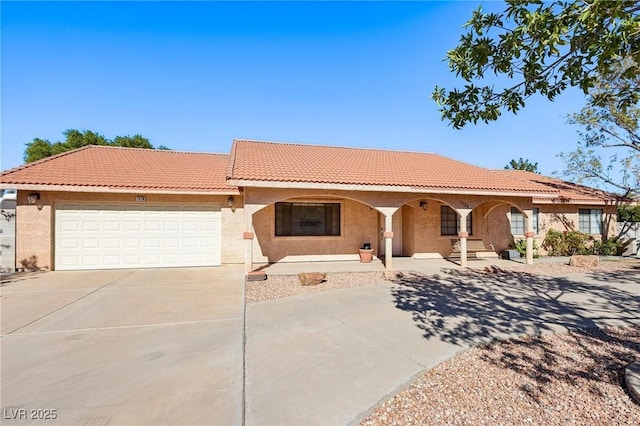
(629, 234)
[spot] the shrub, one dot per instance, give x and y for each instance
(555, 243)
(610, 247)
(576, 243)
(565, 243)
(521, 247)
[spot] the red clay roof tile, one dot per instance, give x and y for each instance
(565, 191)
(126, 168)
(284, 162)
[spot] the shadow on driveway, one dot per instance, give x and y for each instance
(468, 307)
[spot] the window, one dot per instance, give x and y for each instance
(449, 221)
(590, 221)
(307, 219)
(518, 223)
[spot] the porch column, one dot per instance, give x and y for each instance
(463, 234)
(248, 236)
(388, 242)
(529, 233)
(388, 235)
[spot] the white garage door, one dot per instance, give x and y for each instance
(92, 236)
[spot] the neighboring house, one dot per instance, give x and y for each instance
(104, 207)
(8, 231)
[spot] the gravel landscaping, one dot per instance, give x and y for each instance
(574, 378)
(278, 286)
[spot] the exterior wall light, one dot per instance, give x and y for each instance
(33, 197)
(423, 204)
(230, 202)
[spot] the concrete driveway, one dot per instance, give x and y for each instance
(328, 358)
(134, 347)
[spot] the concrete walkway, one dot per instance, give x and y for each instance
(328, 358)
(123, 347)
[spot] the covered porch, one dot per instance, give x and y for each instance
(396, 225)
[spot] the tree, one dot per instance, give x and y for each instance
(42, 148)
(608, 152)
(629, 214)
(521, 164)
(541, 48)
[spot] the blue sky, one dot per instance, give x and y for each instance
(194, 76)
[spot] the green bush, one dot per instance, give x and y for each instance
(610, 247)
(576, 243)
(521, 247)
(555, 243)
(565, 243)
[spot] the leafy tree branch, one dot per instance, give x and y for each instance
(538, 48)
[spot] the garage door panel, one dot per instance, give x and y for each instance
(92, 236)
(90, 243)
(91, 260)
(69, 225)
(112, 226)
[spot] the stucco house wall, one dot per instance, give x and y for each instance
(360, 222)
(35, 222)
(565, 217)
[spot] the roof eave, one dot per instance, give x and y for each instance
(381, 188)
(563, 200)
(103, 189)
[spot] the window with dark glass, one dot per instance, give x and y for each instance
(518, 221)
(307, 219)
(590, 221)
(449, 221)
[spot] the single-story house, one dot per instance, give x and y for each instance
(104, 207)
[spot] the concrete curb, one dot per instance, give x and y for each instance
(632, 380)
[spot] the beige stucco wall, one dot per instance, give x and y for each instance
(33, 234)
(489, 223)
(358, 225)
(564, 217)
(35, 223)
(360, 221)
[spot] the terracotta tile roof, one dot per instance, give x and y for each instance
(283, 162)
(126, 168)
(567, 192)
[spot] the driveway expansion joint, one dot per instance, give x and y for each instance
(68, 304)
